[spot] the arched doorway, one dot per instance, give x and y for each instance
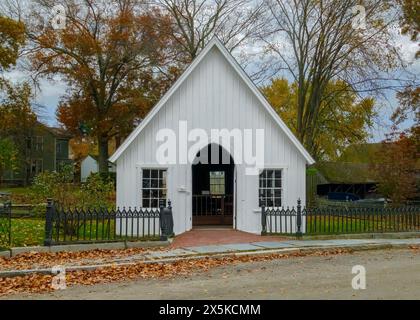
(213, 187)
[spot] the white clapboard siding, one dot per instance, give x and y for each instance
(213, 96)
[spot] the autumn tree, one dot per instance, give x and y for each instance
(317, 42)
(395, 167)
(17, 116)
(12, 38)
(410, 20)
(409, 97)
(9, 156)
(343, 118)
(110, 53)
(195, 22)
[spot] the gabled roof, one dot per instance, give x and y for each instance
(56, 132)
(215, 42)
(345, 172)
(94, 157)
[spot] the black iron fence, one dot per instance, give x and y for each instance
(339, 220)
(69, 226)
(5, 224)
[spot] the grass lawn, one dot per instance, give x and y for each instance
(31, 231)
(15, 190)
(27, 232)
(352, 224)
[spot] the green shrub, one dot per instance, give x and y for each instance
(57, 185)
(97, 191)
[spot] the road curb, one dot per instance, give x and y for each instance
(5, 254)
(89, 246)
(196, 256)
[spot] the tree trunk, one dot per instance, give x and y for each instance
(103, 154)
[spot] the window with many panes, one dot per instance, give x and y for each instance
(217, 182)
(153, 187)
(39, 143)
(270, 190)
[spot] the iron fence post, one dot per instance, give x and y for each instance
(171, 220)
(167, 222)
(162, 226)
(49, 223)
(299, 219)
(263, 221)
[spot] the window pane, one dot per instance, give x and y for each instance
(217, 182)
(154, 183)
(278, 174)
(277, 183)
(146, 183)
(146, 174)
(146, 203)
(146, 193)
(155, 174)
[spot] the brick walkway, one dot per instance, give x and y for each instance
(212, 236)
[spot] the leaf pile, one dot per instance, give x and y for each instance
(42, 283)
(32, 260)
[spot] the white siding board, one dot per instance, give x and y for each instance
(213, 96)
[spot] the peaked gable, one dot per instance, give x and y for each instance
(215, 42)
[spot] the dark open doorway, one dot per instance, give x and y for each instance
(213, 188)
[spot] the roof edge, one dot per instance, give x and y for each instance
(214, 42)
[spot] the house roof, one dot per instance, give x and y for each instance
(215, 42)
(94, 157)
(345, 172)
(57, 132)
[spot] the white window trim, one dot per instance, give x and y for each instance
(284, 169)
(139, 185)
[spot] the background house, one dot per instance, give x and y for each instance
(351, 173)
(90, 164)
(45, 149)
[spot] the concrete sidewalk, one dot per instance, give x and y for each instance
(273, 245)
(223, 250)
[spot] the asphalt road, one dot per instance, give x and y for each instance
(390, 274)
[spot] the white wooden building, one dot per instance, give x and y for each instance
(213, 93)
(90, 164)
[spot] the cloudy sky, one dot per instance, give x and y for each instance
(48, 95)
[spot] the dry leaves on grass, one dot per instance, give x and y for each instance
(42, 283)
(32, 260)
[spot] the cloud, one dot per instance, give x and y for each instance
(46, 96)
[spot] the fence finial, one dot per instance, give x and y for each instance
(299, 219)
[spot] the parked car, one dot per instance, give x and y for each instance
(343, 196)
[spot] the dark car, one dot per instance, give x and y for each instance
(343, 196)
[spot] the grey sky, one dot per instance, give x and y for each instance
(50, 92)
